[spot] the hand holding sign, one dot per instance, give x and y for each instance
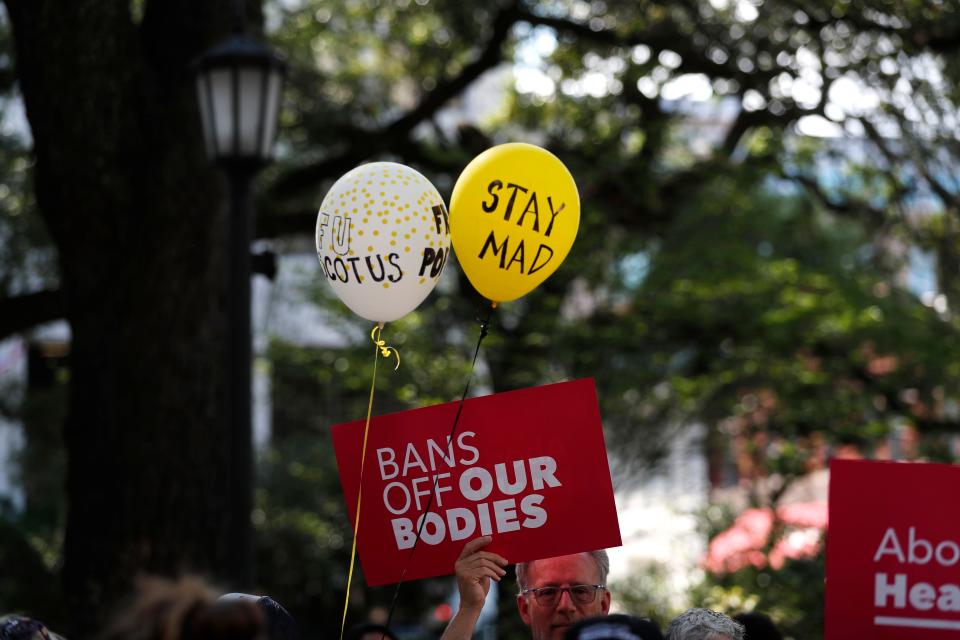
(514, 215)
(382, 239)
(475, 568)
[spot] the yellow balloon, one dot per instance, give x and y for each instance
(514, 214)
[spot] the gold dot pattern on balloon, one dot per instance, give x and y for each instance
(397, 199)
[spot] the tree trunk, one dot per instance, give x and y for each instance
(135, 211)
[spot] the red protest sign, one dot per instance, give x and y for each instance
(528, 467)
(893, 551)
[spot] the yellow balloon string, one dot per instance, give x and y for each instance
(380, 348)
(382, 345)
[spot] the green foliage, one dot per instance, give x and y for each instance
(756, 307)
(792, 596)
(644, 594)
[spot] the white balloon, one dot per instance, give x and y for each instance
(382, 239)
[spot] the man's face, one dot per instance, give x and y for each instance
(551, 622)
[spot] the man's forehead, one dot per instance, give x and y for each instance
(574, 568)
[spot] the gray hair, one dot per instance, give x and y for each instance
(600, 557)
(704, 624)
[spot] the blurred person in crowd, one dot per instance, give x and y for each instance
(15, 627)
(555, 593)
(186, 609)
(614, 627)
(758, 626)
(369, 631)
(280, 624)
(704, 624)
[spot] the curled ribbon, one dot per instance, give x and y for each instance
(382, 345)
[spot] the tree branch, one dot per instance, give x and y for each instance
(875, 217)
(22, 312)
(8, 78)
(276, 221)
(949, 199)
(747, 120)
(666, 36)
(372, 142)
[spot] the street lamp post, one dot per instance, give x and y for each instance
(238, 87)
